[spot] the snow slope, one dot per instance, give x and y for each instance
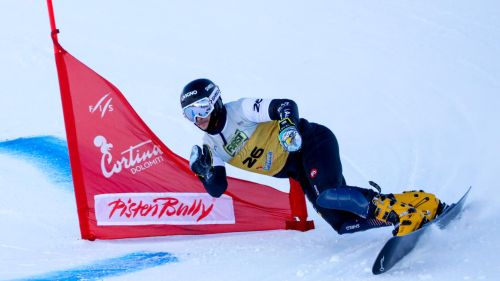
(410, 88)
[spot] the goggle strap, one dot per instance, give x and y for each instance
(214, 96)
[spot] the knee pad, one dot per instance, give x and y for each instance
(345, 198)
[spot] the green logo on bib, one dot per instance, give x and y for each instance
(235, 143)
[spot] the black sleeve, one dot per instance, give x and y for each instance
(284, 108)
(216, 183)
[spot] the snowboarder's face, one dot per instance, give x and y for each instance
(202, 123)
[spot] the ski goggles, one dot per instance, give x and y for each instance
(202, 107)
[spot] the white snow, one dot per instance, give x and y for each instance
(410, 88)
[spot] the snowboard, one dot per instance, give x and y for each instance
(399, 246)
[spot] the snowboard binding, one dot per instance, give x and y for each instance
(407, 211)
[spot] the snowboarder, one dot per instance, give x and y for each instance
(266, 136)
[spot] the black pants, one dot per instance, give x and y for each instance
(317, 167)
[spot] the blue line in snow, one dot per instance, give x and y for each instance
(111, 267)
(48, 153)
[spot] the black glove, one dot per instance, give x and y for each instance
(200, 161)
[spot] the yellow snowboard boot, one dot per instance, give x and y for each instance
(427, 203)
(407, 211)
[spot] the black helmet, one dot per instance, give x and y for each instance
(201, 98)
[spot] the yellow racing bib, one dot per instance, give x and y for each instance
(262, 153)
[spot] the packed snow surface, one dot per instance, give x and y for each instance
(411, 89)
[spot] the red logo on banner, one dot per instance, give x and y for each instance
(163, 208)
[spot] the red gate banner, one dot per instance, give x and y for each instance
(129, 184)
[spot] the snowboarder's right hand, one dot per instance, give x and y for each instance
(200, 160)
(289, 136)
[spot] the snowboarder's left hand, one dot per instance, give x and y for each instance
(289, 136)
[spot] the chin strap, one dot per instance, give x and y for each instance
(217, 121)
